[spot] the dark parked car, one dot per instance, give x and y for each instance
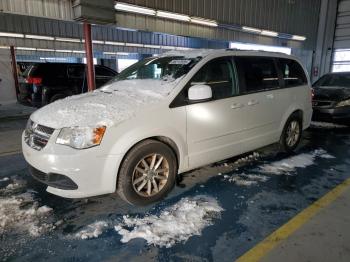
(331, 99)
(43, 83)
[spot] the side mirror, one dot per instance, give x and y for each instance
(199, 92)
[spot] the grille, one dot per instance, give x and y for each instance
(36, 136)
(325, 104)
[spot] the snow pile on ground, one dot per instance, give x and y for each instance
(249, 158)
(93, 230)
(4, 179)
(326, 125)
(107, 106)
(288, 165)
(178, 223)
(22, 214)
(247, 179)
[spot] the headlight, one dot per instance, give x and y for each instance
(343, 103)
(81, 137)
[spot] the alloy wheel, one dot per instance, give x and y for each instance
(150, 175)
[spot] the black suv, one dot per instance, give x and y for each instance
(43, 83)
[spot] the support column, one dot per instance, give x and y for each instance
(14, 69)
(89, 58)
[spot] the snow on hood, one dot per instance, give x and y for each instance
(107, 106)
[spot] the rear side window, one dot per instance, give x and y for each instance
(219, 75)
(257, 74)
(100, 71)
(76, 71)
(292, 72)
(49, 70)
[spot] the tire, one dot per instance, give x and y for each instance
(292, 130)
(131, 187)
(57, 97)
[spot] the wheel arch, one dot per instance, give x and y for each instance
(163, 139)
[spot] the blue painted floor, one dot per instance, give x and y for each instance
(257, 195)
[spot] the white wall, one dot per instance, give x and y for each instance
(7, 83)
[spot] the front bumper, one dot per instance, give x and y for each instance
(341, 114)
(89, 171)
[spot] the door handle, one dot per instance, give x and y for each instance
(253, 102)
(270, 96)
(237, 106)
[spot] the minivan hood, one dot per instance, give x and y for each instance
(331, 93)
(107, 106)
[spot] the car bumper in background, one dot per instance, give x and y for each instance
(341, 114)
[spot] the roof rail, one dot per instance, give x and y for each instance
(264, 51)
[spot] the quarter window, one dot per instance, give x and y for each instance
(292, 72)
(219, 75)
(257, 73)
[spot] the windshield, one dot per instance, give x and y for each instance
(158, 68)
(334, 80)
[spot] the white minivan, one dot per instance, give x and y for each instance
(166, 115)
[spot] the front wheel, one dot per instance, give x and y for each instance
(147, 173)
(291, 134)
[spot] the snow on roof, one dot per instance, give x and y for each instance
(191, 53)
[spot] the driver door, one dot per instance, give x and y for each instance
(215, 128)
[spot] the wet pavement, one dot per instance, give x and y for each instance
(216, 213)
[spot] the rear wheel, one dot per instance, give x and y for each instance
(147, 173)
(291, 134)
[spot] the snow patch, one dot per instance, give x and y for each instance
(178, 223)
(4, 179)
(107, 106)
(247, 179)
(288, 165)
(23, 215)
(93, 230)
(326, 125)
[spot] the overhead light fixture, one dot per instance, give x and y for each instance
(134, 9)
(168, 47)
(4, 47)
(151, 46)
(269, 33)
(40, 37)
(113, 43)
(11, 35)
(64, 39)
(298, 38)
(173, 16)
(109, 53)
(78, 51)
(202, 21)
(122, 53)
(251, 29)
(26, 48)
(63, 51)
(98, 42)
(134, 45)
(45, 50)
(183, 48)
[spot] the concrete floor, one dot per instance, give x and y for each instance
(325, 237)
(251, 213)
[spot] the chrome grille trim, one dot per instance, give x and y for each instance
(37, 136)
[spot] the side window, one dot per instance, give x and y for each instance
(292, 72)
(76, 71)
(219, 75)
(103, 72)
(257, 73)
